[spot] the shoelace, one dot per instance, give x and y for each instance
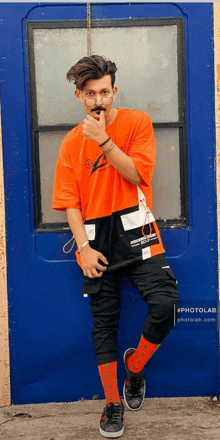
(135, 383)
(113, 413)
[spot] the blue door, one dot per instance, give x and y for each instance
(165, 57)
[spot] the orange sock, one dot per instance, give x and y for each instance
(138, 360)
(108, 375)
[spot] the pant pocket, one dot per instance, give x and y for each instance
(170, 273)
(91, 285)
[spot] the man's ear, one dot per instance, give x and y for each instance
(114, 92)
(78, 95)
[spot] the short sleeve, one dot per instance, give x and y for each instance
(143, 150)
(66, 192)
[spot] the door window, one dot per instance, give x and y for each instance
(150, 77)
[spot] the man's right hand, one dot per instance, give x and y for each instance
(90, 264)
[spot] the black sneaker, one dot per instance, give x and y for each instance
(134, 386)
(111, 423)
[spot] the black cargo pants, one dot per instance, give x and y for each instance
(158, 287)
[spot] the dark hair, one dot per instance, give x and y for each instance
(93, 67)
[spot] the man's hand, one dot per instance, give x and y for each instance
(90, 264)
(94, 129)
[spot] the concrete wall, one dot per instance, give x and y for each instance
(4, 344)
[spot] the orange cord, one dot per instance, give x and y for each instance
(69, 241)
(72, 246)
(147, 220)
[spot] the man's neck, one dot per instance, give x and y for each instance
(111, 117)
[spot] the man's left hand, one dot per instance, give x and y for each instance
(94, 129)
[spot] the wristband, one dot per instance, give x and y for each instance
(101, 145)
(83, 245)
(109, 149)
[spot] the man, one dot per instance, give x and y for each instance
(103, 182)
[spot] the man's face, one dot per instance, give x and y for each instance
(97, 95)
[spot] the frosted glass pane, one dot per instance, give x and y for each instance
(146, 57)
(55, 51)
(49, 145)
(147, 76)
(166, 179)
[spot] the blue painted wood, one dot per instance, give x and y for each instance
(51, 345)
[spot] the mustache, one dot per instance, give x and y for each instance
(98, 108)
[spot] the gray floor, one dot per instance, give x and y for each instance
(194, 418)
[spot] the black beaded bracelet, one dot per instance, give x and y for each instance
(101, 145)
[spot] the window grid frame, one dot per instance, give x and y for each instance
(183, 221)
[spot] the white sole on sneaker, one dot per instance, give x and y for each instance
(111, 434)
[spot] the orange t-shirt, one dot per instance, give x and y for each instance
(117, 214)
